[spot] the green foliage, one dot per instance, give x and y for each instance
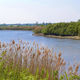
(62, 29)
(3, 53)
(79, 30)
(55, 73)
(69, 77)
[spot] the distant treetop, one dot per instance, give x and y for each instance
(79, 20)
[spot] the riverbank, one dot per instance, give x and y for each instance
(60, 37)
(38, 28)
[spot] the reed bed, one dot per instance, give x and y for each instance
(29, 61)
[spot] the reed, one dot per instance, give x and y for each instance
(27, 61)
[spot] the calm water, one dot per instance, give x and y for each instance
(70, 48)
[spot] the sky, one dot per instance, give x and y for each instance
(31, 11)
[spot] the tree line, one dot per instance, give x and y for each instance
(60, 29)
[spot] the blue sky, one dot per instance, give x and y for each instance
(31, 11)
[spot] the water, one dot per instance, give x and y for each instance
(70, 48)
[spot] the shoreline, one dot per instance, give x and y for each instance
(49, 36)
(59, 37)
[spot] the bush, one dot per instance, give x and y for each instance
(62, 29)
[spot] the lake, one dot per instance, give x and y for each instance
(70, 48)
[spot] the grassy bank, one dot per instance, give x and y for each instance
(29, 61)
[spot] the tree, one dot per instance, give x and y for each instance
(79, 20)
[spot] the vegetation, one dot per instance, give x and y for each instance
(61, 29)
(38, 29)
(17, 27)
(58, 29)
(29, 61)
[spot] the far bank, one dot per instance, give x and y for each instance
(60, 37)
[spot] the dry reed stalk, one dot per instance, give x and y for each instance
(32, 56)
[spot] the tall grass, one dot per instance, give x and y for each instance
(29, 61)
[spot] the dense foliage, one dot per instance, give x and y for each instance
(62, 29)
(26, 61)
